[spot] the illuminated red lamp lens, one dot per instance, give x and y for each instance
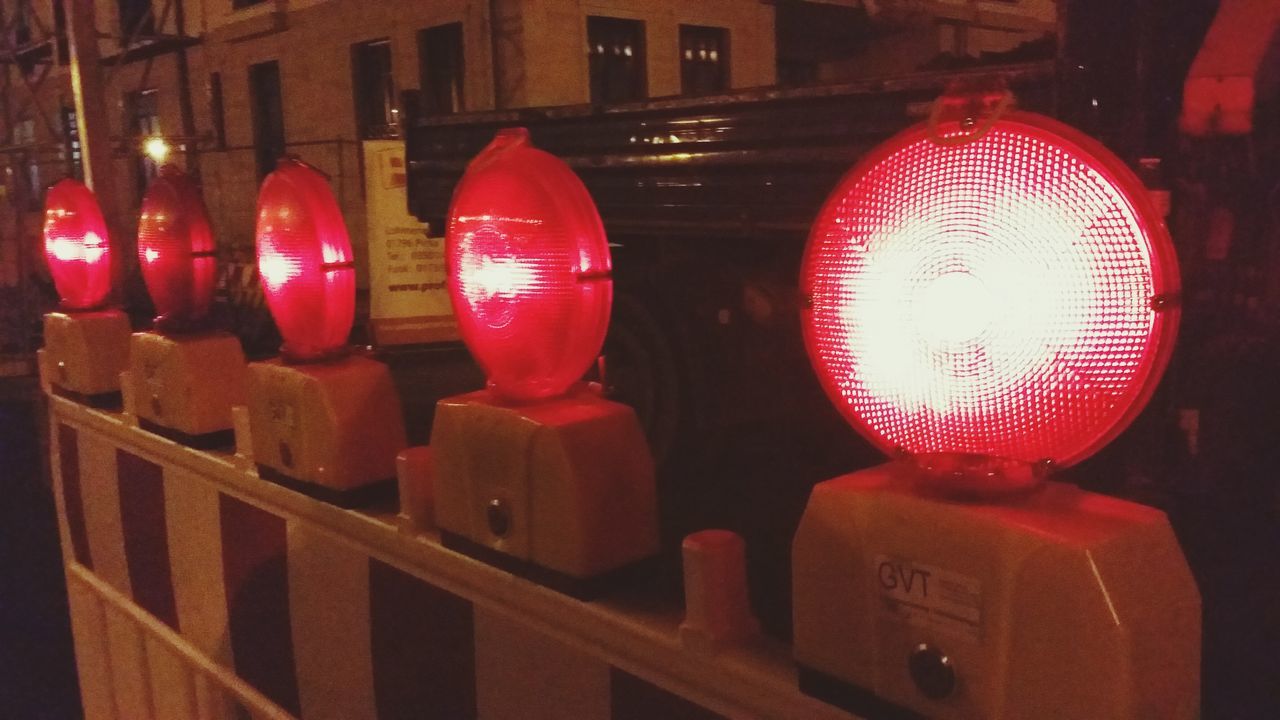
(305, 262)
(176, 251)
(77, 246)
(1013, 296)
(529, 269)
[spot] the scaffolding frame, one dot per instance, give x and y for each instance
(31, 53)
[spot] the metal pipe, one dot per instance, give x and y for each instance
(91, 119)
(184, 91)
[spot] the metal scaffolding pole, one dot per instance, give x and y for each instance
(91, 120)
(184, 91)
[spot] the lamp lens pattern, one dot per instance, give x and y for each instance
(528, 269)
(77, 245)
(176, 251)
(999, 297)
(305, 262)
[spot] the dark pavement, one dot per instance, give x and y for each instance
(37, 669)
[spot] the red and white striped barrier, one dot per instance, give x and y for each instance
(199, 590)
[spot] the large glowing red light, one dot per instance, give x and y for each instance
(529, 269)
(77, 246)
(1013, 296)
(176, 251)
(305, 262)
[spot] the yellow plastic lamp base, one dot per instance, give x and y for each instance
(565, 484)
(332, 425)
(1060, 603)
(84, 353)
(186, 384)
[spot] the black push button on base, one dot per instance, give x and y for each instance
(932, 671)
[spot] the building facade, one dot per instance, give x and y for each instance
(314, 78)
(231, 85)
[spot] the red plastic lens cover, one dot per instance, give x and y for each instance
(77, 245)
(1013, 296)
(305, 262)
(528, 269)
(176, 251)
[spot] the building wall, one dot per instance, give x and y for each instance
(20, 221)
(548, 39)
(992, 25)
(542, 48)
(313, 47)
(542, 51)
(313, 40)
(901, 36)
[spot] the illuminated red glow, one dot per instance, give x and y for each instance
(77, 246)
(529, 269)
(994, 297)
(177, 252)
(305, 262)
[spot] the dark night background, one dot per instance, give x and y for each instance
(1223, 499)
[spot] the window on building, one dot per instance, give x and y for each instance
(237, 4)
(373, 89)
(615, 49)
(143, 120)
(71, 142)
(811, 38)
(267, 111)
(704, 59)
(24, 137)
(442, 69)
(217, 112)
(60, 32)
(21, 24)
(136, 20)
(22, 37)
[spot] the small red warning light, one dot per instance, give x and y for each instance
(77, 246)
(529, 269)
(176, 251)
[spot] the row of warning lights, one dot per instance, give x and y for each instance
(524, 233)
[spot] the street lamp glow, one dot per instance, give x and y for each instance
(156, 148)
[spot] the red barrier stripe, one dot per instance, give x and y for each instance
(423, 644)
(255, 572)
(69, 463)
(631, 698)
(146, 540)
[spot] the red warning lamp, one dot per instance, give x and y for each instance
(86, 342)
(1014, 296)
(176, 251)
(77, 245)
(566, 493)
(990, 305)
(321, 419)
(185, 377)
(529, 269)
(305, 262)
